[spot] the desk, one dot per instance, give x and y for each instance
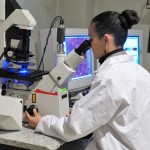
(28, 139)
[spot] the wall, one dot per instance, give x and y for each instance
(77, 13)
(120, 5)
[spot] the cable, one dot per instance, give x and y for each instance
(1, 56)
(49, 33)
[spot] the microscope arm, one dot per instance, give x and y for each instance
(63, 72)
(19, 18)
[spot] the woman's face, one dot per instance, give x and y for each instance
(98, 45)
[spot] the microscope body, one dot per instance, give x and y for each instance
(50, 95)
(20, 22)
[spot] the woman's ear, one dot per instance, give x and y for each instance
(108, 42)
(107, 38)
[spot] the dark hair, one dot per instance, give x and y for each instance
(111, 22)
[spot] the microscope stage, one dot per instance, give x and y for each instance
(30, 75)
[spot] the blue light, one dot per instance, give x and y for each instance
(5, 64)
(11, 70)
(23, 71)
(16, 81)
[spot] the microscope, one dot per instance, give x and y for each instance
(15, 29)
(24, 89)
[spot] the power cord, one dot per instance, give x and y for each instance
(49, 33)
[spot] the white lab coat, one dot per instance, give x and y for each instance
(116, 110)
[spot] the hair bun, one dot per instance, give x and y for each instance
(128, 18)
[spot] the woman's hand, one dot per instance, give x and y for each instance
(69, 113)
(33, 120)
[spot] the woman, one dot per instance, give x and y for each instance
(117, 108)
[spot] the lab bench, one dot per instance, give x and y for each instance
(27, 139)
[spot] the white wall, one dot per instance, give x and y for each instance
(120, 5)
(77, 13)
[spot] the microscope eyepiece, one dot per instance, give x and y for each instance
(84, 46)
(90, 41)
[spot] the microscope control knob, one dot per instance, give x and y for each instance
(9, 53)
(58, 78)
(4, 86)
(3, 92)
(30, 109)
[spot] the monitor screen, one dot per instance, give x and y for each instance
(84, 70)
(131, 46)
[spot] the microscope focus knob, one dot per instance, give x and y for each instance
(58, 78)
(30, 109)
(9, 53)
(4, 86)
(3, 92)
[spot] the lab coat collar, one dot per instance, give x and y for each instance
(115, 59)
(118, 59)
(101, 60)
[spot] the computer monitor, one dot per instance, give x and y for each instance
(133, 45)
(73, 38)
